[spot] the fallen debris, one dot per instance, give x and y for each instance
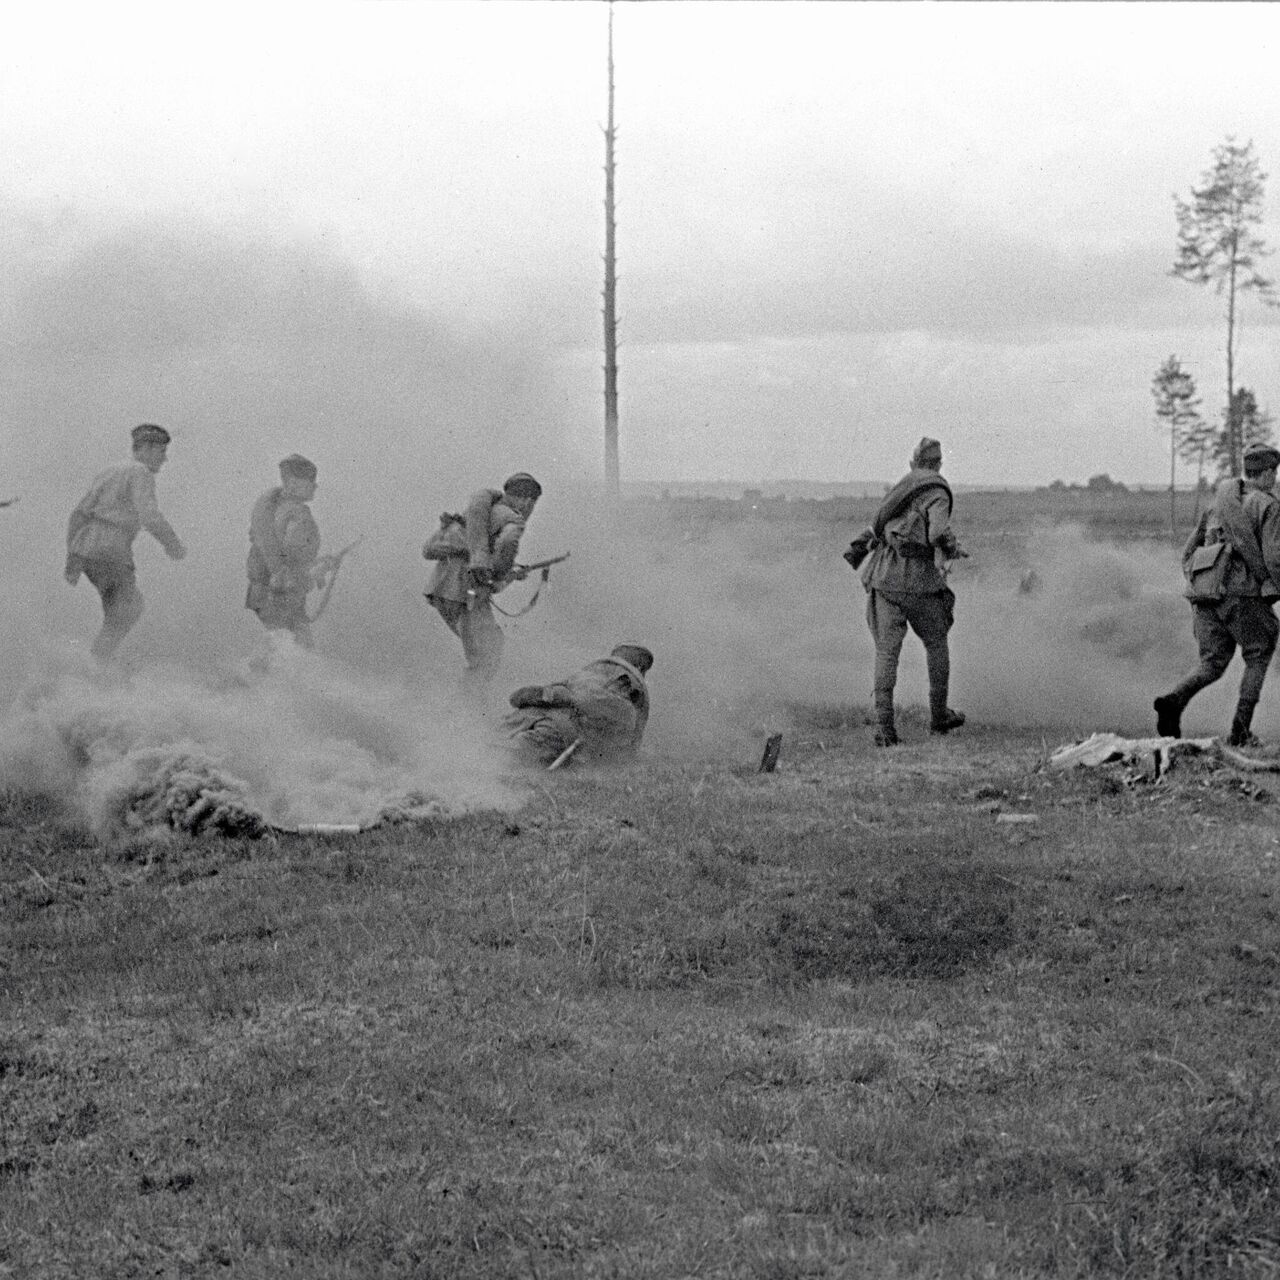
(772, 748)
(1155, 756)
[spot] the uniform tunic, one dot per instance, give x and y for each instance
(284, 545)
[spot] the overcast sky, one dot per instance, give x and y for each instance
(841, 225)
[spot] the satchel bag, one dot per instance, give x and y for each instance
(1207, 571)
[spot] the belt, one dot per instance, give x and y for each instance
(914, 550)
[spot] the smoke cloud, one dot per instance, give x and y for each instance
(248, 348)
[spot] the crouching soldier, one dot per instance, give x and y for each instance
(599, 713)
(475, 556)
(120, 502)
(284, 551)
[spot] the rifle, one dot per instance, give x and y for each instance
(332, 563)
(542, 567)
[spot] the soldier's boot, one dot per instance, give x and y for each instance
(1241, 736)
(1168, 709)
(943, 720)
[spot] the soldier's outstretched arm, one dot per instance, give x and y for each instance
(142, 490)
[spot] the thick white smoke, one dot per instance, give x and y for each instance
(309, 741)
(248, 349)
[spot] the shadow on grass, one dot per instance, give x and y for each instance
(931, 922)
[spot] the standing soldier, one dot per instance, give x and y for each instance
(1232, 567)
(284, 548)
(476, 558)
(100, 534)
(909, 543)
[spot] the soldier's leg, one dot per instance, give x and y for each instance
(482, 642)
(122, 605)
(450, 611)
(297, 624)
(1254, 626)
(888, 625)
(931, 618)
(1217, 646)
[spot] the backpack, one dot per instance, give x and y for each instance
(449, 540)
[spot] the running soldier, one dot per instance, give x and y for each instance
(1232, 566)
(284, 552)
(476, 558)
(120, 502)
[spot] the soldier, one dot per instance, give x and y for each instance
(284, 552)
(100, 534)
(476, 558)
(603, 708)
(910, 542)
(1232, 566)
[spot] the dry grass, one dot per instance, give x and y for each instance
(833, 1021)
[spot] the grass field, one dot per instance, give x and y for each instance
(846, 1019)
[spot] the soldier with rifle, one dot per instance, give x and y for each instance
(906, 553)
(284, 562)
(475, 554)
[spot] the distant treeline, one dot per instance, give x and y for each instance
(1109, 510)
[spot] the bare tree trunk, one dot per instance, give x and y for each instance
(610, 298)
(1173, 462)
(1233, 428)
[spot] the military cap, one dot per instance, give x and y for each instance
(523, 485)
(636, 654)
(926, 451)
(296, 465)
(1261, 457)
(149, 433)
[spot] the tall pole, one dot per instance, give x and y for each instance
(610, 297)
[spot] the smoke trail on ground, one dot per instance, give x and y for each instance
(307, 741)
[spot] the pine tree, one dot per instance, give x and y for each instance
(1178, 412)
(1217, 245)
